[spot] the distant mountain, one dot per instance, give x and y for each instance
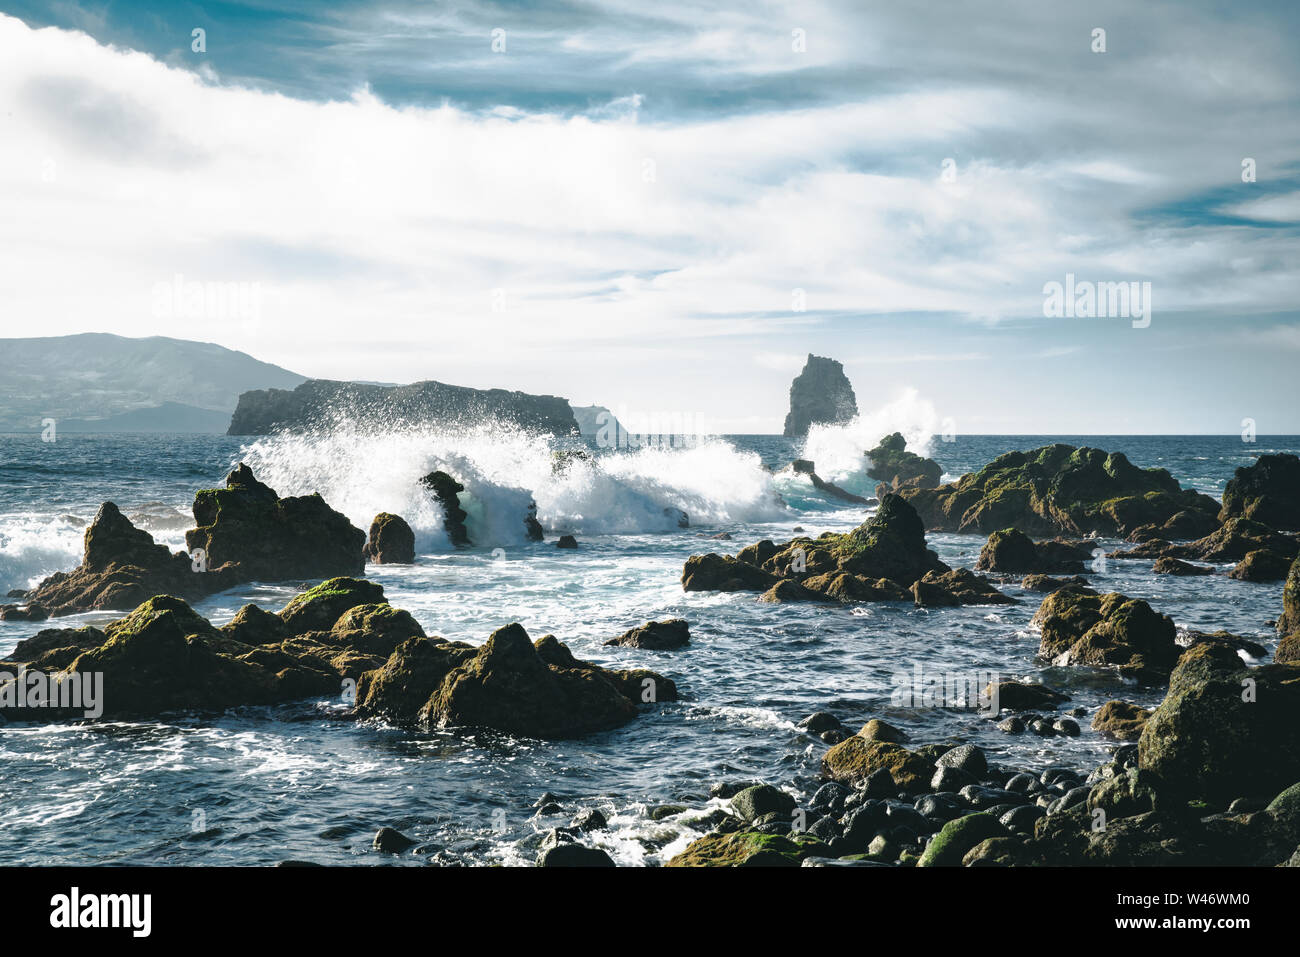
(98, 382)
(168, 417)
(322, 403)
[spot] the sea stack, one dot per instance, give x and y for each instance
(820, 394)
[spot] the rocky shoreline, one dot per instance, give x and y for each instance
(1210, 777)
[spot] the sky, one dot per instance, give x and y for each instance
(663, 208)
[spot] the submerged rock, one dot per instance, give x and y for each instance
(804, 467)
(655, 635)
(959, 586)
(391, 841)
(714, 572)
(1174, 566)
(1021, 696)
(820, 394)
(1046, 583)
(392, 542)
(1058, 489)
(574, 855)
(1080, 627)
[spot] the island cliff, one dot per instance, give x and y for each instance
(821, 393)
(321, 402)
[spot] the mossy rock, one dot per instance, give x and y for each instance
(318, 608)
(877, 730)
(957, 837)
(1223, 724)
(995, 852)
(375, 629)
(1121, 720)
(855, 758)
(749, 849)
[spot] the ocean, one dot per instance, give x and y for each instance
(263, 785)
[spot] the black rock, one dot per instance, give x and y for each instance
(965, 757)
(950, 779)
(390, 841)
(574, 855)
(1066, 726)
(829, 797)
(820, 721)
(1022, 819)
(590, 819)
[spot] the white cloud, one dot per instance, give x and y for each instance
(382, 237)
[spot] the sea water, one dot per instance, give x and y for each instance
(261, 785)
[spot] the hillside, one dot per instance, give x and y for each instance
(106, 383)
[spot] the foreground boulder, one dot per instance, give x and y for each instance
(895, 468)
(1058, 489)
(391, 542)
(509, 684)
(1224, 728)
(163, 657)
(1267, 492)
(1290, 619)
(1081, 627)
(268, 538)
